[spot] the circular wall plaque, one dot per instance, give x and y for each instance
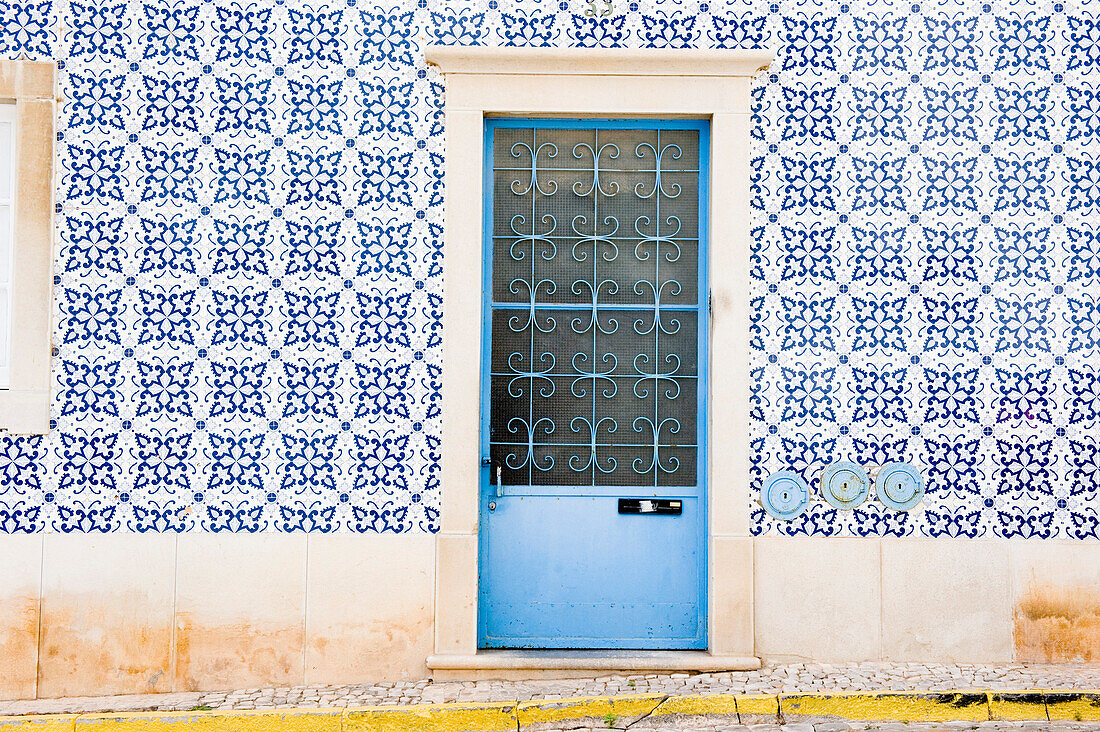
(785, 495)
(845, 485)
(899, 485)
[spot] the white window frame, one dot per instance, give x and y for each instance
(25, 403)
(598, 83)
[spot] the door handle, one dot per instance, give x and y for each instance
(498, 490)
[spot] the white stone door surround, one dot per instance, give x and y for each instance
(598, 83)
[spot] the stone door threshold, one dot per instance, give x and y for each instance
(534, 664)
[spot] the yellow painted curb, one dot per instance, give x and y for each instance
(38, 723)
(1017, 706)
(457, 717)
(259, 720)
(965, 706)
(921, 706)
(1073, 706)
(758, 705)
(597, 707)
(723, 704)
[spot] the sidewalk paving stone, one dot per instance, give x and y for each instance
(789, 679)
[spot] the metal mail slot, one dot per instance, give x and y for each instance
(662, 506)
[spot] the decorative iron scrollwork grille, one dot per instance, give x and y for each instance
(596, 371)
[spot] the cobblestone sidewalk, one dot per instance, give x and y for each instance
(785, 678)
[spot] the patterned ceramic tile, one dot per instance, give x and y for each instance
(251, 216)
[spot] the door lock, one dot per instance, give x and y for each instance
(498, 490)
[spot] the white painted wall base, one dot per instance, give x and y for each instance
(883, 599)
(132, 613)
(923, 600)
(127, 613)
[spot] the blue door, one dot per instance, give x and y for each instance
(593, 509)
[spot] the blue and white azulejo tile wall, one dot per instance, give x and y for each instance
(250, 215)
